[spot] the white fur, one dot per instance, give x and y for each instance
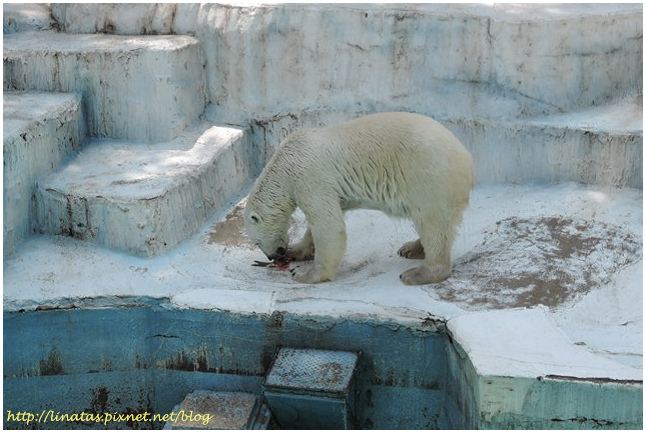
(403, 164)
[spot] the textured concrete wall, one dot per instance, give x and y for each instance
(483, 70)
(132, 87)
(148, 357)
(272, 59)
(40, 131)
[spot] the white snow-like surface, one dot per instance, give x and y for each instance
(532, 347)
(132, 170)
(596, 332)
(144, 198)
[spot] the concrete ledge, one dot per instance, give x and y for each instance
(137, 88)
(20, 17)
(120, 19)
(145, 199)
(39, 131)
(391, 57)
(501, 367)
(597, 146)
(236, 301)
(526, 343)
(544, 58)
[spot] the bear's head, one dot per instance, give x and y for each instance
(267, 227)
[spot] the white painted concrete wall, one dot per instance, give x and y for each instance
(493, 74)
(132, 87)
(39, 131)
(441, 60)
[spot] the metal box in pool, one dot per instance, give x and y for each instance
(312, 389)
(219, 410)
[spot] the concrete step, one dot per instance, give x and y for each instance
(40, 130)
(116, 18)
(376, 57)
(21, 17)
(312, 389)
(387, 57)
(141, 198)
(145, 88)
(598, 146)
(219, 410)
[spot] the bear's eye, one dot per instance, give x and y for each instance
(254, 218)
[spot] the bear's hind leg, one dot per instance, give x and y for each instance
(436, 238)
(303, 250)
(412, 250)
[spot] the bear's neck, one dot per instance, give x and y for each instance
(279, 192)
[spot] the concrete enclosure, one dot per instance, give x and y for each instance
(132, 133)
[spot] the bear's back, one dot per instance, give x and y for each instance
(382, 160)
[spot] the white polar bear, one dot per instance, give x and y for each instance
(406, 165)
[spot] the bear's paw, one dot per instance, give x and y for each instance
(425, 275)
(412, 250)
(309, 273)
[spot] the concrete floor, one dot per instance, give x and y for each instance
(558, 266)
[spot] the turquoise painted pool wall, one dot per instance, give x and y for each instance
(146, 358)
(546, 403)
(476, 401)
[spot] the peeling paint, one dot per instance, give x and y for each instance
(52, 365)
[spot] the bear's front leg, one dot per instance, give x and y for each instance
(303, 250)
(329, 238)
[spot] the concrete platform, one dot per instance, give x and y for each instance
(597, 315)
(145, 198)
(506, 60)
(428, 58)
(559, 315)
(207, 410)
(136, 87)
(39, 131)
(599, 145)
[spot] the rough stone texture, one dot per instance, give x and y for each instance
(540, 261)
(20, 17)
(39, 131)
(144, 199)
(120, 19)
(516, 60)
(215, 411)
(134, 88)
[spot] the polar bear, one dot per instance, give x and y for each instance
(406, 165)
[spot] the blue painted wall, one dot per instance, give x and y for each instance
(146, 358)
